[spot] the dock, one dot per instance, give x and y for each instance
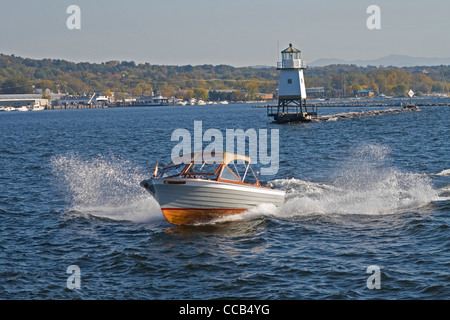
(80, 106)
(291, 114)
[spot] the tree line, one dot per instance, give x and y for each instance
(126, 78)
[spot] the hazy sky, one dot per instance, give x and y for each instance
(234, 32)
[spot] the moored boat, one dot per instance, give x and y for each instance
(23, 108)
(199, 188)
(151, 101)
(38, 107)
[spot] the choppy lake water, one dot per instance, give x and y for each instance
(361, 192)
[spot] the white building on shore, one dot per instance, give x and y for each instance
(19, 100)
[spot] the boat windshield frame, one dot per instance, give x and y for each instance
(236, 172)
(216, 174)
(169, 168)
(196, 174)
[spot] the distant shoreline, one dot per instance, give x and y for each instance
(349, 102)
(395, 102)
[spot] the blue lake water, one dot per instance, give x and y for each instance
(371, 191)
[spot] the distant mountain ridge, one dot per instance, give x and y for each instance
(390, 60)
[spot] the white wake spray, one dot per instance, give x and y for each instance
(364, 184)
(106, 188)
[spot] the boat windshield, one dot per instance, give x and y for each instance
(244, 171)
(171, 171)
(236, 170)
(202, 170)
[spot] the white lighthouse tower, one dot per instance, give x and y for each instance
(291, 91)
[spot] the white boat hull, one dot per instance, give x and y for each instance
(185, 201)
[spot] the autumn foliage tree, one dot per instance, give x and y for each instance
(125, 78)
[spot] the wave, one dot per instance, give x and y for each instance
(445, 173)
(363, 185)
(106, 188)
(441, 180)
(390, 194)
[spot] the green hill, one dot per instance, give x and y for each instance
(126, 78)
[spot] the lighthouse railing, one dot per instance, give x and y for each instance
(291, 64)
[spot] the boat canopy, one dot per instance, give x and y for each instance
(209, 157)
(215, 166)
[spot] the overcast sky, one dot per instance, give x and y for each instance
(234, 32)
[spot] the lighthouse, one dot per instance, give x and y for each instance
(291, 91)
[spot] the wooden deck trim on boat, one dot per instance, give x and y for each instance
(181, 216)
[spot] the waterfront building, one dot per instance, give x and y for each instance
(365, 93)
(19, 100)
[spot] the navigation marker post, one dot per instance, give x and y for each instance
(410, 94)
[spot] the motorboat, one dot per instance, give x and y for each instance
(151, 101)
(9, 109)
(200, 187)
(38, 107)
(23, 108)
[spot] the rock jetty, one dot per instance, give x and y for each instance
(359, 114)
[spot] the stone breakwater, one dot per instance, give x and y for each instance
(359, 114)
